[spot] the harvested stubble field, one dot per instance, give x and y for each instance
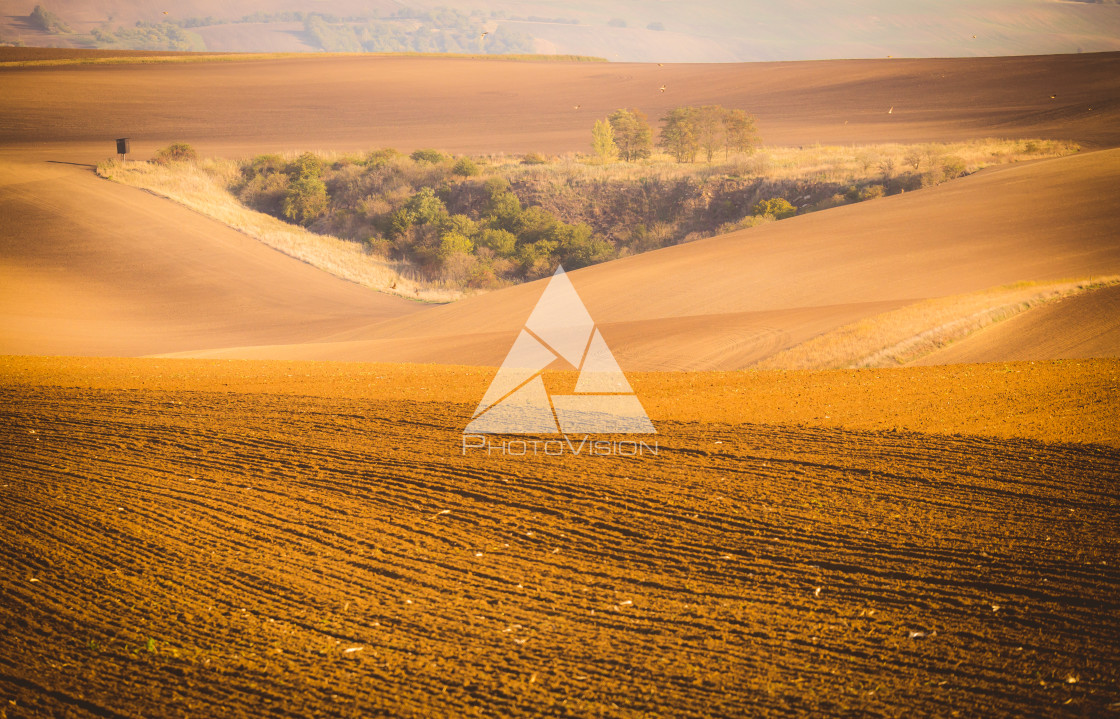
(190, 538)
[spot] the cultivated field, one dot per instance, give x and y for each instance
(301, 539)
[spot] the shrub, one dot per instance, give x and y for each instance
(263, 164)
(953, 167)
(660, 27)
(175, 152)
(779, 208)
(266, 192)
(502, 243)
(307, 165)
(868, 192)
(306, 200)
(454, 242)
(534, 158)
(616, 22)
(382, 157)
(465, 167)
(427, 157)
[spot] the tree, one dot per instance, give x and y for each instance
(632, 133)
(739, 131)
(602, 141)
(678, 134)
(454, 243)
(47, 21)
(306, 200)
(710, 129)
(306, 165)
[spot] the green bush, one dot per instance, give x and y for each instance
(866, 192)
(175, 152)
(306, 200)
(382, 157)
(264, 164)
(779, 208)
(266, 192)
(455, 242)
(429, 157)
(953, 167)
(465, 167)
(503, 244)
(307, 165)
(534, 158)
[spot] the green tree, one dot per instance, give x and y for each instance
(424, 208)
(632, 134)
(465, 167)
(739, 132)
(306, 165)
(306, 200)
(710, 129)
(679, 134)
(602, 141)
(454, 243)
(504, 244)
(47, 21)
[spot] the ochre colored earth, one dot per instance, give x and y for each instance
(225, 538)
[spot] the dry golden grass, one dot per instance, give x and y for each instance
(202, 187)
(825, 163)
(906, 334)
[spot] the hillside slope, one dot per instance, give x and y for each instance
(494, 106)
(729, 301)
(90, 267)
(1075, 328)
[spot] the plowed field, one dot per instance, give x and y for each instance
(177, 547)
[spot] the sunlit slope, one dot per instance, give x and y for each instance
(91, 267)
(1078, 327)
(729, 301)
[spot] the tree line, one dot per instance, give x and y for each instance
(686, 133)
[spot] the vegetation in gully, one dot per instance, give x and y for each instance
(460, 223)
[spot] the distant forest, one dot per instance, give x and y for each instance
(405, 30)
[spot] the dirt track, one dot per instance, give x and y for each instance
(255, 537)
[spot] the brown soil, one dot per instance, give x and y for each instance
(203, 539)
(465, 105)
